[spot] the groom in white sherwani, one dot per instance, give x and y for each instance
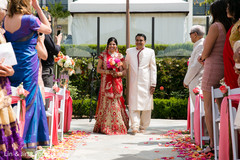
(142, 82)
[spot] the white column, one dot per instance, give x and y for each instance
(69, 19)
(44, 3)
(190, 19)
(190, 16)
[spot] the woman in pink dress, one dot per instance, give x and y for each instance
(212, 57)
(111, 117)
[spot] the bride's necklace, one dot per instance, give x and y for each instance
(112, 54)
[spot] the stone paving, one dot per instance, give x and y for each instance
(147, 146)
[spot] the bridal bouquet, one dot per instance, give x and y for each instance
(114, 63)
(21, 92)
(65, 62)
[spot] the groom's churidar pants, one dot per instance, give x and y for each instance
(140, 119)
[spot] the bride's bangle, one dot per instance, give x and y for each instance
(120, 74)
(106, 71)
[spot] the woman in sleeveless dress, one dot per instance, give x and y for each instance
(212, 57)
(111, 117)
(21, 30)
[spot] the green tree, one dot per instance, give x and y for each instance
(205, 1)
(57, 12)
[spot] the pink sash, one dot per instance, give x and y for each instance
(197, 120)
(224, 127)
(68, 112)
(188, 115)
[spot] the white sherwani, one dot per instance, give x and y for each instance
(142, 75)
(193, 78)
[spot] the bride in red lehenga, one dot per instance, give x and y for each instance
(111, 117)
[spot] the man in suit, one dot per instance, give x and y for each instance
(52, 49)
(142, 82)
(193, 77)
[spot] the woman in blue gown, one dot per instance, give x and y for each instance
(21, 30)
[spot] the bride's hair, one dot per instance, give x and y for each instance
(19, 7)
(111, 39)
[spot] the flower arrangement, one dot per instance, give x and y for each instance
(55, 87)
(21, 92)
(223, 87)
(196, 91)
(114, 63)
(65, 62)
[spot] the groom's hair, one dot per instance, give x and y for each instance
(141, 35)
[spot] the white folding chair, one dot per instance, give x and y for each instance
(16, 108)
(50, 113)
(202, 115)
(192, 107)
(216, 93)
(61, 111)
(233, 128)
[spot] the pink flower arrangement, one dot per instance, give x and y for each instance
(196, 91)
(223, 89)
(114, 63)
(56, 88)
(21, 92)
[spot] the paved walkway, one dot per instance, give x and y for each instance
(147, 146)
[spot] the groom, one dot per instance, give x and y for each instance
(142, 82)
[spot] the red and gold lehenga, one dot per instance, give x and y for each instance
(111, 117)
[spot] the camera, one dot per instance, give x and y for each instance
(59, 29)
(58, 32)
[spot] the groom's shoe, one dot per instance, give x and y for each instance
(142, 131)
(134, 132)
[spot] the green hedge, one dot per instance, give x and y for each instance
(170, 75)
(93, 48)
(81, 109)
(172, 108)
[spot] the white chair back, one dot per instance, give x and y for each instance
(50, 113)
(202, 115)
(61, 111)
(192, 106)
(216, 93)
(233, 128)
(16, 108)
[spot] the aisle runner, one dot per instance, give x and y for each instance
(69, 143)
(181, 142)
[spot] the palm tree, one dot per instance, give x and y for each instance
(57, 11)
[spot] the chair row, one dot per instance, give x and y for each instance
(50, 94)
(216, 93)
